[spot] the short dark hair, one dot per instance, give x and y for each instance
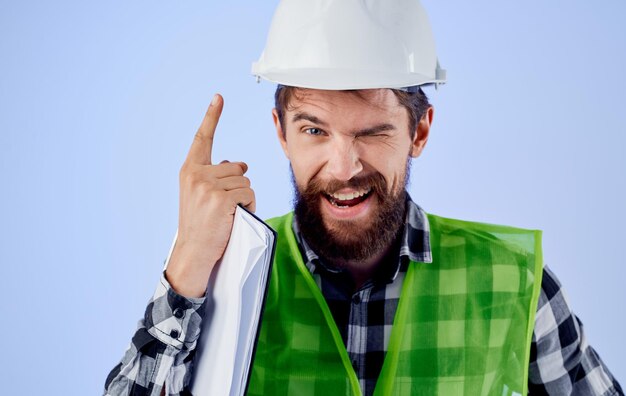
(415, 102)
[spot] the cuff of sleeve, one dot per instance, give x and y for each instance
(174, 319)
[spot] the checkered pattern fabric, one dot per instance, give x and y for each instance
(162, 348)
(296, 353)
(561, 361)
(454, 321)
(465, 322)
(365, 316)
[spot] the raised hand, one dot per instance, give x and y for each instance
(209, 195)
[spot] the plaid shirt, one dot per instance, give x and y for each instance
(161, 352)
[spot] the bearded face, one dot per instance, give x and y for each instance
(349, 154)
(350, 239)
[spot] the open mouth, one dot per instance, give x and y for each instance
(347, 200)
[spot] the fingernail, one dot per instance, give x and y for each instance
(214, 100)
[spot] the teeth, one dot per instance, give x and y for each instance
(350, 195)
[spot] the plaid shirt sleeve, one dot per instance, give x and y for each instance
(161, 352)
(561, 361)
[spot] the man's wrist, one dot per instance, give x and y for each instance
(187, 273)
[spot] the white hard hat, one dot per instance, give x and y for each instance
(350, 44)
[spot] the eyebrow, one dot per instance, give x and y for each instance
(308, 117)
(362, 132)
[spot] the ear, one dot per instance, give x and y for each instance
(280, 132)
(421, 133)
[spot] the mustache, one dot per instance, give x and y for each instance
(375, 181)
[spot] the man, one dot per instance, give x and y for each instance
(369, 293)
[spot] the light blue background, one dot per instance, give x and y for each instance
(99, 102)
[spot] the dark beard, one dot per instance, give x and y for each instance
(347, 240)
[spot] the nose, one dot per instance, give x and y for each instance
(344, 160)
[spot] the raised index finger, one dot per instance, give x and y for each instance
(200, 151)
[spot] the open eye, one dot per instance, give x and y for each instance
(313, 131)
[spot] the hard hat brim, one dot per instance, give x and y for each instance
(338, 79)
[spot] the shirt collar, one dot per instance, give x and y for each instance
(414, 246)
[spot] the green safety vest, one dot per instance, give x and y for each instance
(463, 325)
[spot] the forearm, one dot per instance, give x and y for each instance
(160, 355)
(562, 362)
